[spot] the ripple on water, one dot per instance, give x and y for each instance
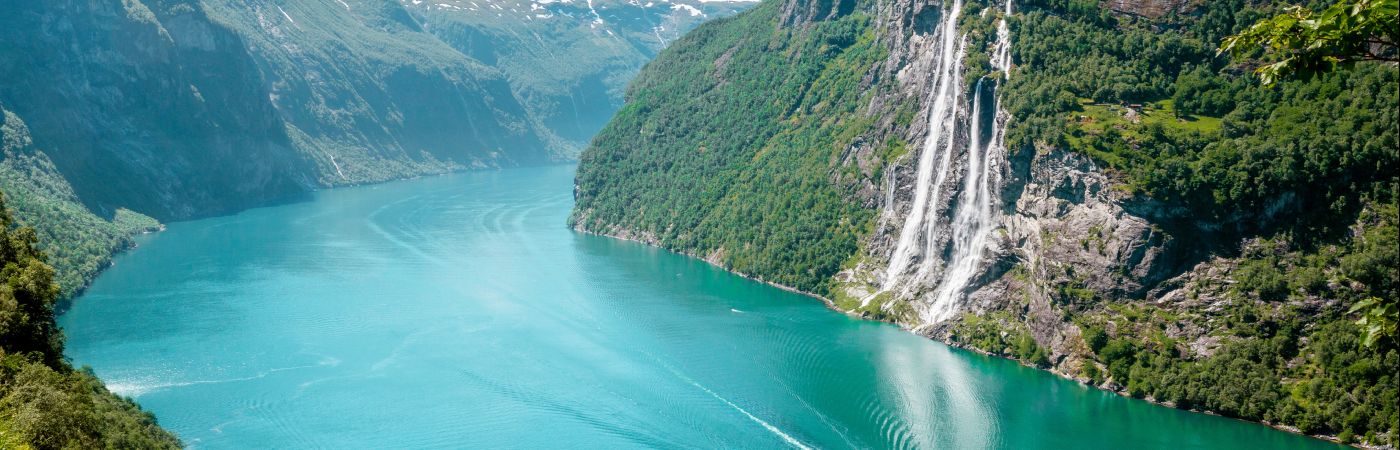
(460, 312)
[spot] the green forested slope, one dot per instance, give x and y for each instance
(44, 403)
(726, 144)
(78, 243)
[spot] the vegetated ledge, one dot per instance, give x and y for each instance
(645, 239)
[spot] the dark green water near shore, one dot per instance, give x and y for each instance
(458, 311)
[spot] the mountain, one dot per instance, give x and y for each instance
(567, 60)
(1086, 187)
(180, 109)
(134, 118)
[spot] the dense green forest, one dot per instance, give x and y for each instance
(45, 403)
(738, 123)
(1305, 156)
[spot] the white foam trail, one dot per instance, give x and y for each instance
(772, 429)
(392, 238)
(134, 388)
(767, 426)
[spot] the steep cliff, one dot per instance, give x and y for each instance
(134, 118)
(367, 95)
(181, 109)
(1089, 191)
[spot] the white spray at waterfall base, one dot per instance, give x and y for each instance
(942, 117)
(959, 163)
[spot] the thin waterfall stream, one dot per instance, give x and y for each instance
(966, 144)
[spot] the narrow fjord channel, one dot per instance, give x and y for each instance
(459, 311)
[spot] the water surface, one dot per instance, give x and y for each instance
(458, 311)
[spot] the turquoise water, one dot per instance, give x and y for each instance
(458, 311)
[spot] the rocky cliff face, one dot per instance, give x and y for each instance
(1068, 233)
(1064, 230)
(1150, 8)
(367, 95)
(970, 229)
(135, 115)
(1025, 251)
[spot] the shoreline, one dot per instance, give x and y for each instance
(832, 306)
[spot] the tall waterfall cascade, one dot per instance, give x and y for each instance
(945, 239)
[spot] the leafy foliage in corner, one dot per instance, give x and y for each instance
(727, 143)
(1309, 42)
(1378, 320)
(44, 403)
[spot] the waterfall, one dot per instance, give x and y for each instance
(971, 148)
(1001, 53)
(942, 118)
(973, 221)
